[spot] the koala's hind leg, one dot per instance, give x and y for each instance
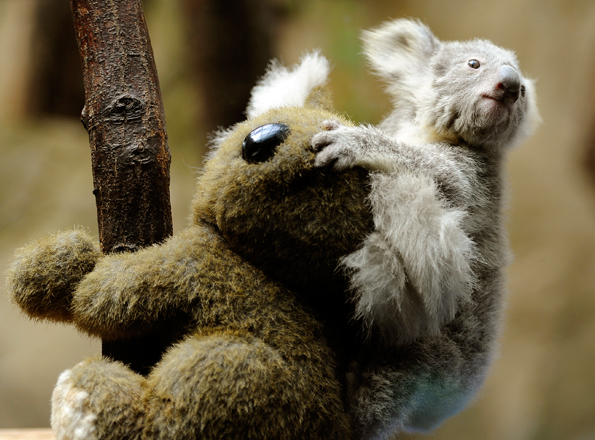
(231, 386)
(98, 399)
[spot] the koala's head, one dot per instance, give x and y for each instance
(472, 91)
(260, 189)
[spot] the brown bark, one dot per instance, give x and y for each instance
(124, 117)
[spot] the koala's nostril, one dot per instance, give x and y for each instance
(510, 82)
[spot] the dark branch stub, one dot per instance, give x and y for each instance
(124, 109)
(124, 117)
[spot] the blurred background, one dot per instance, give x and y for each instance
(209, 53)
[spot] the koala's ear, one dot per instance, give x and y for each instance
(399, 48)
(303, 85)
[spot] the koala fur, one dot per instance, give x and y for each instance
(427, 283)
(242, 291)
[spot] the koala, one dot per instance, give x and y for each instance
(249, 292)
(427, 283)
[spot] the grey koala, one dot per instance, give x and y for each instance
(427, 283)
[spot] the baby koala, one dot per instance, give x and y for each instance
(427, 283)
(436, 160)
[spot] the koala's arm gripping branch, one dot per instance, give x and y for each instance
(185, 279)
(124, 117)
(128, 293)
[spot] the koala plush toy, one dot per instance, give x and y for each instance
(247, 290)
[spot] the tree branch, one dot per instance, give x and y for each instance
(124, 117)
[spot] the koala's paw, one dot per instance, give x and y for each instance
(98, 399)
(105, 301)
(337, 146)
(72, 417)
(44, 274)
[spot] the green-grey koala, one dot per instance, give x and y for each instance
(250, 290)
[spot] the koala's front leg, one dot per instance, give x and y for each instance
(411, 273)
(44, 274)
(127, 293)
(346, 147)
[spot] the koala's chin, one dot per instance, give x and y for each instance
(496, 121)
(495, 111)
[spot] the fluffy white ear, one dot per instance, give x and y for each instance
(399, 48)
(285, 87)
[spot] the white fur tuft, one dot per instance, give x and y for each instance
(285, 87)
(72, 418)
(415, 267)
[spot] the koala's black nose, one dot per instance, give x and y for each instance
(262, 142)
(509, 81)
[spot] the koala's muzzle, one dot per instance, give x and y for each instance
(262, 142)
(509, 84)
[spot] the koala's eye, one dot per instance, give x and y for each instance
(523, 91)
(262, 142)
(474, 64)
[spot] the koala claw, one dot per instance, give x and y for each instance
(331, 124)
(332, 148)
(321, 140)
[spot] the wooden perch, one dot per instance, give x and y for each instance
(124, 117)
(26, 434)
